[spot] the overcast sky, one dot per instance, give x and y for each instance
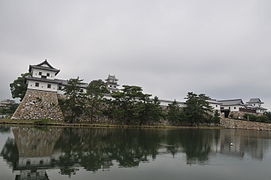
(218, 47)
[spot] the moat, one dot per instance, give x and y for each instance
(112, 153)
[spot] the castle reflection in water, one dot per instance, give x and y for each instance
(32, 151)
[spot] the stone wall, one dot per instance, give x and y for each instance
(240, 114)
(39, 105)
(241, 124)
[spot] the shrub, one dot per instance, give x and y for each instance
(262, 119)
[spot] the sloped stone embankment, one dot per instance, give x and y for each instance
(39, 105)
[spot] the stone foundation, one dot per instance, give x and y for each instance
(39, 105)
(241, 124)
(240, 114)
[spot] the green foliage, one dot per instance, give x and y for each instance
(4, 129)
(9, 110)
(216, 118)
(131, 106)
(174, 113)
(197, 109)
(18, 87)
(263, 118)
(95, 102)
(268, 115)
(74, 104)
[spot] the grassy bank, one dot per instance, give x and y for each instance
(64, 124)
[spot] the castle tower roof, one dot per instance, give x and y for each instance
(45, 65)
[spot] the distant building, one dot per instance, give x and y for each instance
(6, 103)
(256, 104)
(232, 104)
(112, 83)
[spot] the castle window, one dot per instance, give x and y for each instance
(37, 84)
(48, 74)
(49, 86)
(40, 73)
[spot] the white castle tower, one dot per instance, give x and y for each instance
(43, 77)
(41, 100)
(112, 83)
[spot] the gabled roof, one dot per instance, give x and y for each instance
(44, 66)
(231, 102)
(254, 100)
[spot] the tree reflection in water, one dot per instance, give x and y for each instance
(33, 151)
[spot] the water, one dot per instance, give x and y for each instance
(133, 154)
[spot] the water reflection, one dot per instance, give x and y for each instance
(4, 129)
(33, 151)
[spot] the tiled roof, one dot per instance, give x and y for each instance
(40, 66)
(231, 102)
(254, 100)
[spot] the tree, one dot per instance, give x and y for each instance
(197, 108)
(149, 110)
(95, 94)
(216, 118)
(125, 103)
(10, 109)
(74, 103)
(174, 113)
(131, 106)
(18, 87)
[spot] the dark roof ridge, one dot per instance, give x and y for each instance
(47, 63)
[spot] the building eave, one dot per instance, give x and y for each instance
(42, 80)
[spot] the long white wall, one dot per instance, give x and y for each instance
(215, 106)
(233, 108)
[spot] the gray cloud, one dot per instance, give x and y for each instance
(221, 48)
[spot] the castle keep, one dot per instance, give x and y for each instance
(40, 100)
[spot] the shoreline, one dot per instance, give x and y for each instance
(96, 125)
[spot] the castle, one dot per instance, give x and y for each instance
(41, 100)
(43, 89)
